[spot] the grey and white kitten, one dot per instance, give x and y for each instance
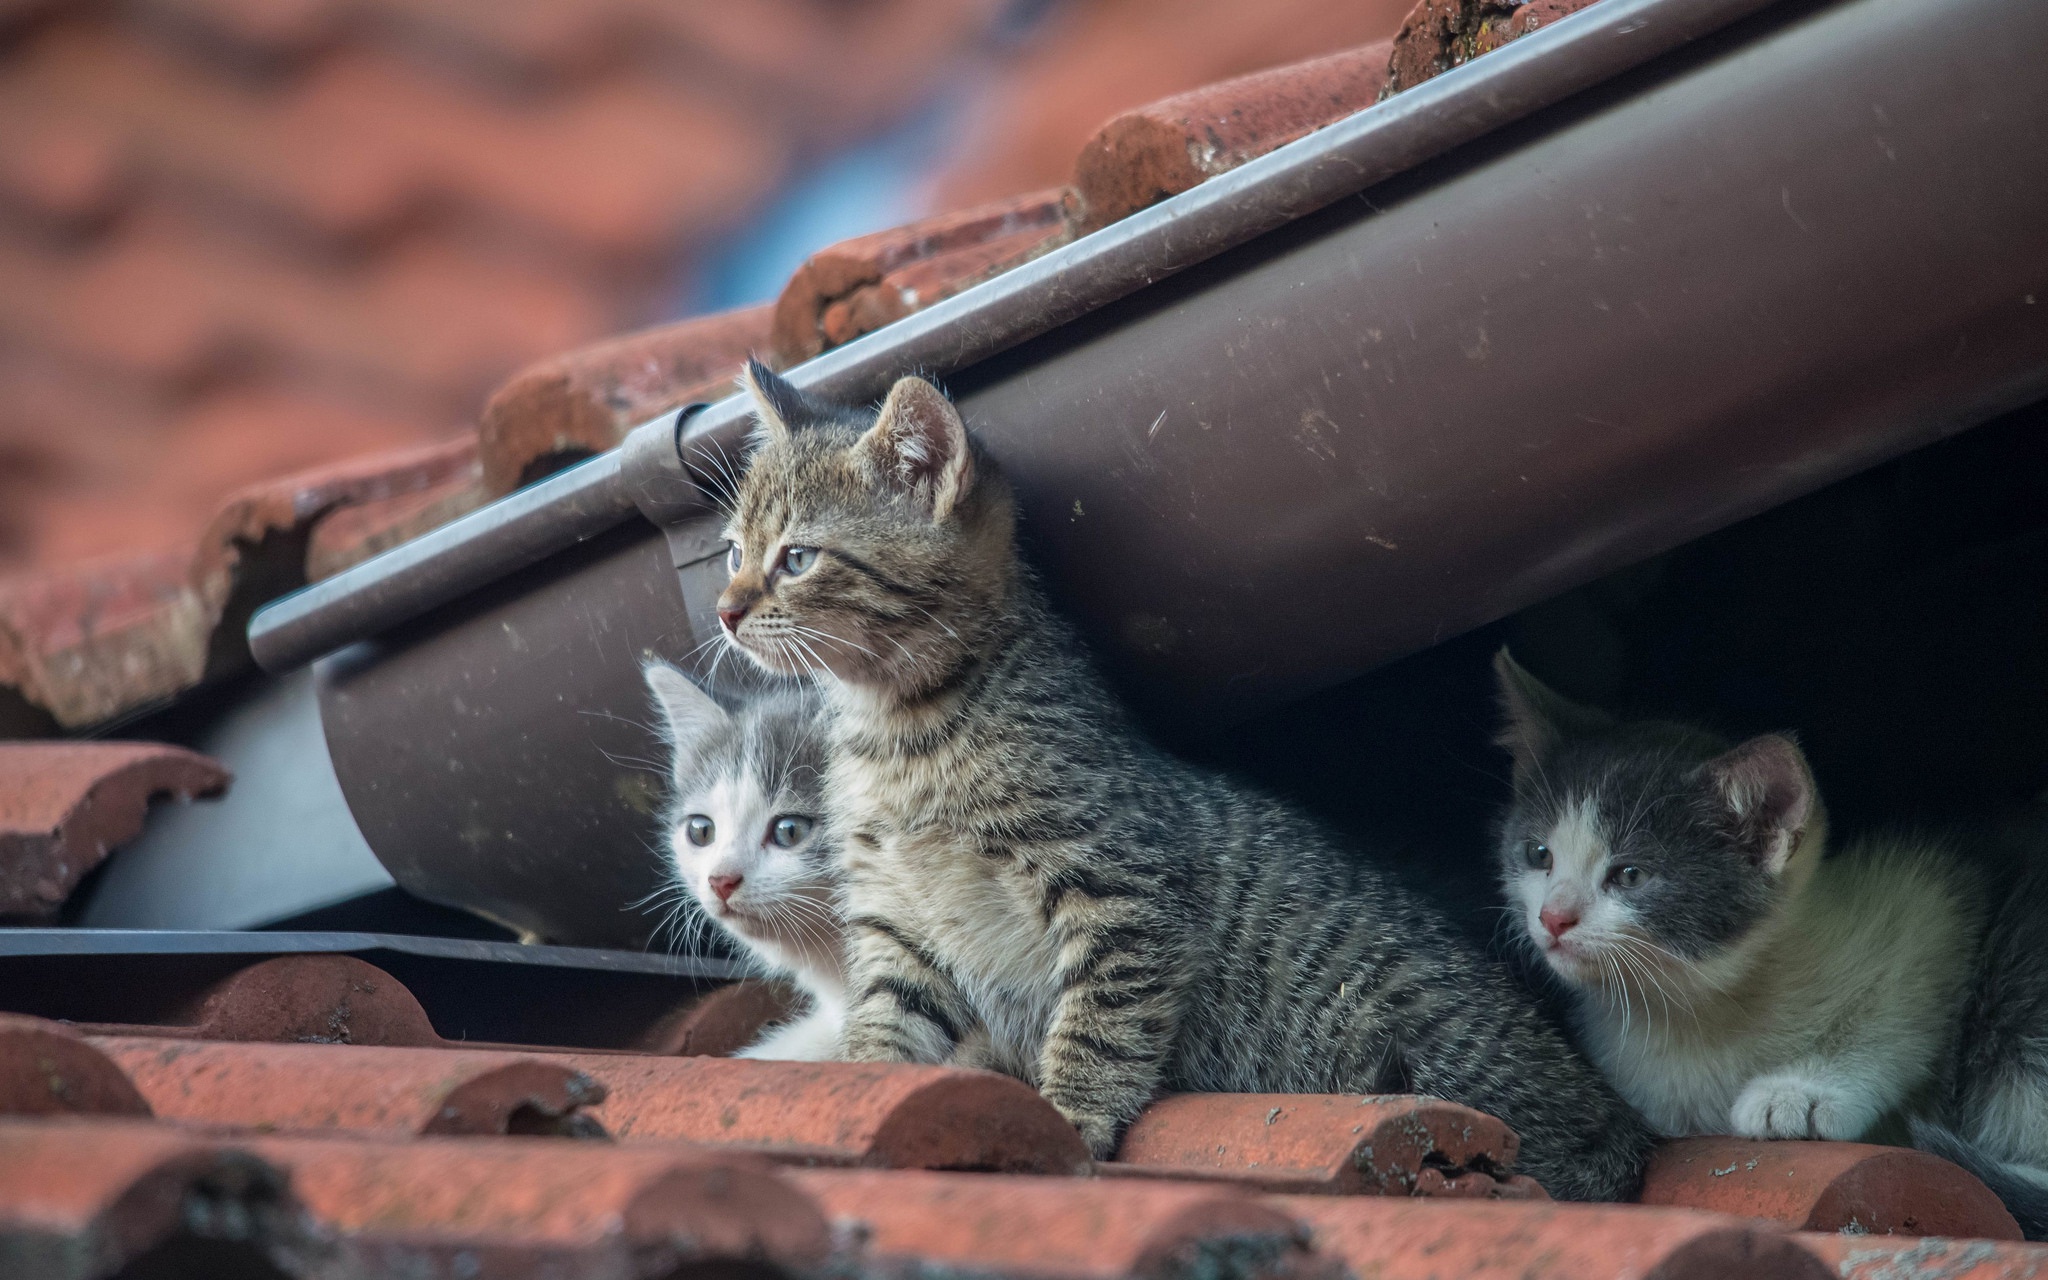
(746, 846)
(1730, 977)
(1031, 885)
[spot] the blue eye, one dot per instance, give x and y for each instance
(732, 559)
(1536, 854)
(797, 559)
(1625, 877)
(698, 829)
(789, 830)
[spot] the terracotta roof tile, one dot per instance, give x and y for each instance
(302, 999)
(393, 1091)
(1327, 1144)
(862, 284)
(585, 401)
(1396, 1239)
(516, 1207)
(1071, 1229)
(1860, 1257)
(841, 1113)
(1440, 34)
(1143, 156)
(354, 533)
(65, 805)
(84, 1199)
(1092, 62)
(723, 1021)
(1827, 1186)
(110, 638)
(48, 1069)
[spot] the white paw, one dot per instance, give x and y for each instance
(1797, 1106)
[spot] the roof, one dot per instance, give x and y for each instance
(304, 1108)
(312, 1111)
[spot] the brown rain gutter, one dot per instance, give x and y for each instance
(1703, 284)
(645, 474)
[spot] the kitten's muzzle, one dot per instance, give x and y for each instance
(732, 618)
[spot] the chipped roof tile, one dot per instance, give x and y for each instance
(586, 400)
(1326, 1144)
(1440, 34)
(860, 285)
(1143, 156)
(1826, 1186)
(65, 805)
(112, 638)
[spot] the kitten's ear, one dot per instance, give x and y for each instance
(779, 408)
(689, 711)
(1534, 717)
(1770, 792)
(919, 445)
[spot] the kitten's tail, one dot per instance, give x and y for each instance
(2022, 1188)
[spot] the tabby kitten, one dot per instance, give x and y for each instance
(1028, 877)
(1732, 977)
(745, 847)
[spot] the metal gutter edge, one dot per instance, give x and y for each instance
(164, 942)
(648, 472)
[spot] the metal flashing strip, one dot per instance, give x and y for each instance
(182, 942)
(645, 474)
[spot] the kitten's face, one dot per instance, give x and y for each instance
(742, 824)
(865, 546)
(1640, 857)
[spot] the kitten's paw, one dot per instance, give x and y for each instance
(1099, 1132)
(1798, 1106)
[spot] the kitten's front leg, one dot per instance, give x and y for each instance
(1113, 1026)
(1813, 1100)
(905, 1007)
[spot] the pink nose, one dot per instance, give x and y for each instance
(1559, 922)
(726, 886)
(732, 619)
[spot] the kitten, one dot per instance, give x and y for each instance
(746, 846)
(1730, 977)
(1030, 885)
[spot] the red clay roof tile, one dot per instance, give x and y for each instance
(393, 1091)
(1326, 1144)
(48, 1069)
(1440, 34)
(1860, 1257)
(65, 805)
(1398, 1239)
(302, 999)
(84, 1198)
(1143, 156)
(105, 639)
(585, 401)
(723, 1021)
(862, 284)
(1827, 1186)
(354, 533)
(1091, 62)
(873, 1114)
(1069, 1228)
(517, 1207)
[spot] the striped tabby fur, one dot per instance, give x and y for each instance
(1031, 885)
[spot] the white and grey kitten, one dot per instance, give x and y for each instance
(744, 842)
(1729, 977)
